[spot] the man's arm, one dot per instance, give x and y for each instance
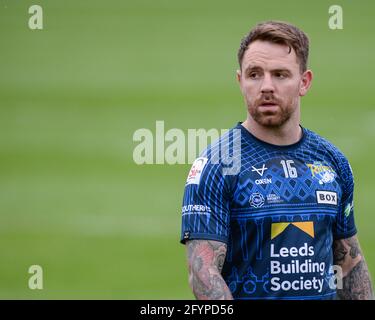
(206, 259)
(356, 278)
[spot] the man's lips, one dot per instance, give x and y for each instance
(268, 104)
(268, 108)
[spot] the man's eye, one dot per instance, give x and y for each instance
(280, 75)
(253, 75)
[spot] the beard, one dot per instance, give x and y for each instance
(275, 116)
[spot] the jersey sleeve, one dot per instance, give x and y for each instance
(345, 225)
(205, 207)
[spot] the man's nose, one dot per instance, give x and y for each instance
(267, 84)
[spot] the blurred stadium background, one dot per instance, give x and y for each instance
(71, 96)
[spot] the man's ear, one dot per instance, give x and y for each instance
(306, 80)
(238, 74)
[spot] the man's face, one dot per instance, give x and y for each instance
(271, 83)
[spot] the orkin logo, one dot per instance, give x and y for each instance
(279, 227)
(326, 197)
(263, 181)
(261, 170)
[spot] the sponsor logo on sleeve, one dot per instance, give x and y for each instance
(186, 235)
(195, 209)
(348, 209)
(196, 171)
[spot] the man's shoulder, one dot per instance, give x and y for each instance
(228, 144)
(222, 158)
(331, 152)
(316, 141)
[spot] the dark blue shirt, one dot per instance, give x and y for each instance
(278, 209)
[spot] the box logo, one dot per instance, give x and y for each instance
(326, 197)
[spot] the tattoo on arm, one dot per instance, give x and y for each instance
(356, 278)
(206, 259)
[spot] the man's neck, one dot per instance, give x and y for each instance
(289, 133)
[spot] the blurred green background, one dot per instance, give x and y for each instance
(71, 96)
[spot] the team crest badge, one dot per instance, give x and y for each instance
(325, 174)
(256, 200)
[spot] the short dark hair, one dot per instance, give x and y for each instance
(281, 33)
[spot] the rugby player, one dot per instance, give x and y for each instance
(282, 225)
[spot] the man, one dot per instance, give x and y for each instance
(282, 226)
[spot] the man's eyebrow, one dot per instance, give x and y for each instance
(252, 67)
(256, 68)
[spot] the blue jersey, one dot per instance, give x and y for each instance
(278, 212)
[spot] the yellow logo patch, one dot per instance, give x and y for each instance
(279, 227)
